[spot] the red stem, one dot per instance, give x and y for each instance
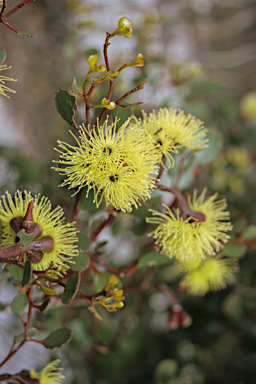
(76, 209)
(107, 222)
(19, 6)
(178, 195)
(3, 8)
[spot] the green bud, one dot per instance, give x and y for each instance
(101, 68)
(139, 62)
(92, 60)
(124, 27)
(106, 104)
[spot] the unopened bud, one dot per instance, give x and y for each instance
(45, 244)
(92, 60)
(16, 223)
(124, 27)
(32, 228)
(34, 256)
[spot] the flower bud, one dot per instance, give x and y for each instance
(45, 244)
(124, 27)
(92, 60)
(35, 256)
(106, 104)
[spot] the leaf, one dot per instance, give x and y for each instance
(236, 251)
(26, 274)
(57, 338)
(2, 56)
(32, 332)
(71, 288)
(25, 239)
(66, 105)
(16, 272)
(26, 34)
(100, 245)
(80, 262)
(152, 258)
(238, 225)
(95, 313)
(208, 154)
(44, 305)
(132, 105)
(250, 232)
(48, 291)
(74, 87)
(141, 84)
(83, 241)
(19, 303)
(18, 338)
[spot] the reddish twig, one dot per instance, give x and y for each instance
(128, 94)
(178, 195)
(19, 6)
(76, 209)
(106, 223)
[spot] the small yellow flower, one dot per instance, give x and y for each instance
(117, 165)
(52, 223)
(187, 238)
(202, 276)
(3, 79)
(51, 374)
(170, 130)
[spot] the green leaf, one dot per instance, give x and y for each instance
(141, 84)
(132, 105)
(238, 225)
(32, 332)
(236, 251)
(66, 105)
(44, 305)
(80, 262)
(71, 288)
(27, 274)
(16, 272)
(18, 338)
(26, 34)
(48, 291)
(100, 245)
(83, 241)
(19, 302)
(250, 232)
(208, 155)
(2, 55)
(25, 239)
(57, 338)
(153, 258)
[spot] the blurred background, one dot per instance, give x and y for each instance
(200, 55)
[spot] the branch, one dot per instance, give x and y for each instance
(19, 6)
(76, 209)
(107, 222)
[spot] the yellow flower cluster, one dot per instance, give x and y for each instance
(202, 276)
(51, 221)
(51, 374)
(170, 129)
(3, 79)
(118, 165)
(188, 238)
